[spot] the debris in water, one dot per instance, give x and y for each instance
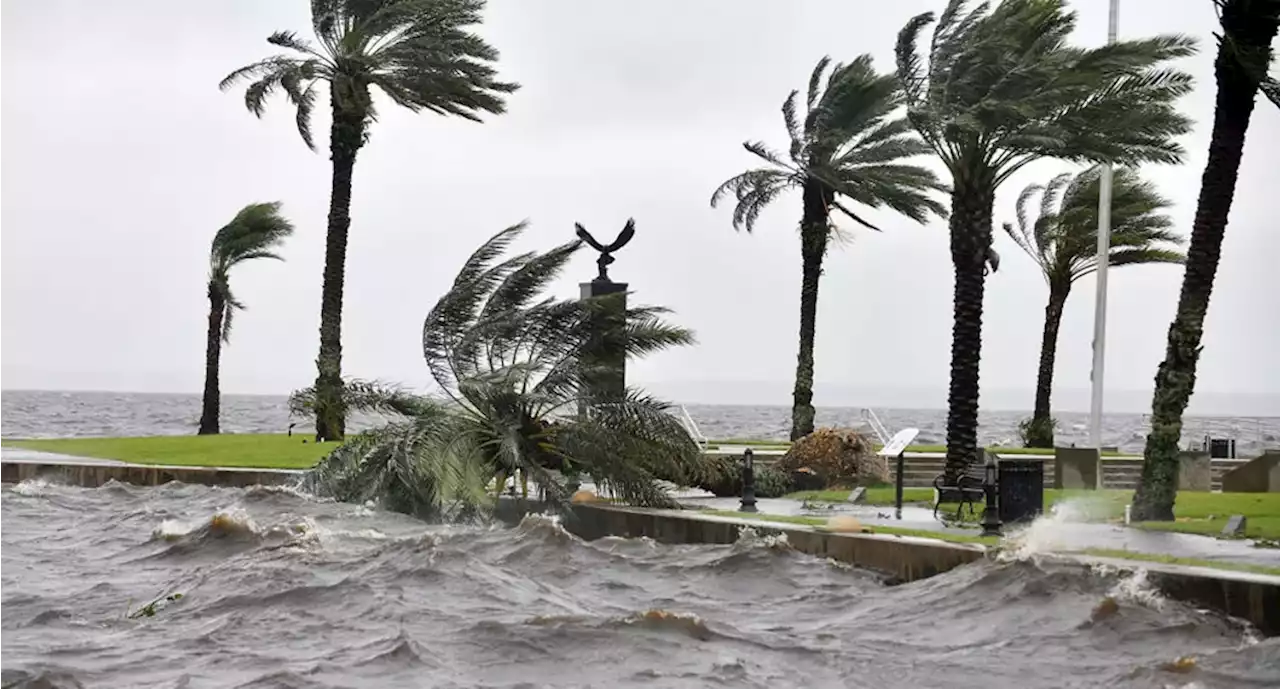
(1104, 609)
(1183, 664)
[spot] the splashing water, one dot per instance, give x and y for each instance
(1049, 533)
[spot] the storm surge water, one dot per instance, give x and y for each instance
(282, 590)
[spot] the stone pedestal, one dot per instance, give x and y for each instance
(606, 356)
(1195, 472)
(1259, 475)
(1076, 468)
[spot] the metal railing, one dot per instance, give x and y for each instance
(692, 426)
(878, 428)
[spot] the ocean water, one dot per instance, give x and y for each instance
(280, 590)
(70, 414)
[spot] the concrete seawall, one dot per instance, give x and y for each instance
(1247, 596)
(1252, 597)
(94, 475)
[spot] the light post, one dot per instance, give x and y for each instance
(748, 482)
(1097, 375)
(991, 514)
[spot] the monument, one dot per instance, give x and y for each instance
(605, 358)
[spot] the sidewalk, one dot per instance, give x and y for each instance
(1051, 534)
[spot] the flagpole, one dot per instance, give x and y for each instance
(1104, 254)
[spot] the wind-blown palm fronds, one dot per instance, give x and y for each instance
(1001, 87)
(1248, 28)
(847, 150)
(512, 377)
(256, 232)
(1061, 236)
(422, 56)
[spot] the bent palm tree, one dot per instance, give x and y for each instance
(1000, 89)
(256, 232)
(510, 365)
(1249, 27)
(420, 54)
(1063, 241)
(846, 146)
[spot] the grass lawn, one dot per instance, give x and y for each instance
(963, 538)
(259, 451)
(1196, 512)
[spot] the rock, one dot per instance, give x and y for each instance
(835, 457)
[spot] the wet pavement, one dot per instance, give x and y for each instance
(1058, 532)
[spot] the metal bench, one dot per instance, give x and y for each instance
(968, 489)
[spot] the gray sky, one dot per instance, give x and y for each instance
(121, 158)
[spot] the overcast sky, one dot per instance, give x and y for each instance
(121, 158)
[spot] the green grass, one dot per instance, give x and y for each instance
(1196, 512)
(259, 451)
(988, 541)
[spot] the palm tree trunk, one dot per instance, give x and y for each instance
(813, 246)
(346, 137)
(212, 403)
(1250, 25)
(1040, 430)
(970, 225)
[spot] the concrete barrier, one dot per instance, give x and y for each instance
(94, 475)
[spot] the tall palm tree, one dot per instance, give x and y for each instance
(1001, 88)
(1244, 53)
(510, 364)
(256, 232)
(420, 54)
(848, 145)
(1063, 241)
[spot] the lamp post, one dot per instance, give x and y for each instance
(1097, 375)
(991, 514)
(748, 482)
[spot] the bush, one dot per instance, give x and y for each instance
(1037, 433)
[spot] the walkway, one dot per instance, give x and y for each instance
(1050, 534)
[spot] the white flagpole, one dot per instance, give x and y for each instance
(1104, 253)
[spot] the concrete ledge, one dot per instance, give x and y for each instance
(94, 475)
(903, 558)
(1248, 596)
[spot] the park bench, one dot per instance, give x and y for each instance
(968, 489)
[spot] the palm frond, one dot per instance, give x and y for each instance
(517, 370)
(1063, 237)
(368, 396)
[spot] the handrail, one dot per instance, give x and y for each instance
(878, 428)
(692, 427)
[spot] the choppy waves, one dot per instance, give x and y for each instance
(281, 590)
(68, 414)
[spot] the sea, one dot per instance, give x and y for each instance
(191, 587)
(49, 414)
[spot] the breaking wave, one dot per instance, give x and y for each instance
(281, 590)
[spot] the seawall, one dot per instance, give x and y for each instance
(1252, 597)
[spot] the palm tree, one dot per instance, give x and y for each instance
(849, 146)
(509, 362)
(256, 232)
(1244, 54)
(1063, 241)
(420, 54)
(1002, 88)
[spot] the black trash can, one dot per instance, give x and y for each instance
(1020, 486)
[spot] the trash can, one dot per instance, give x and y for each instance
(1020, 487)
